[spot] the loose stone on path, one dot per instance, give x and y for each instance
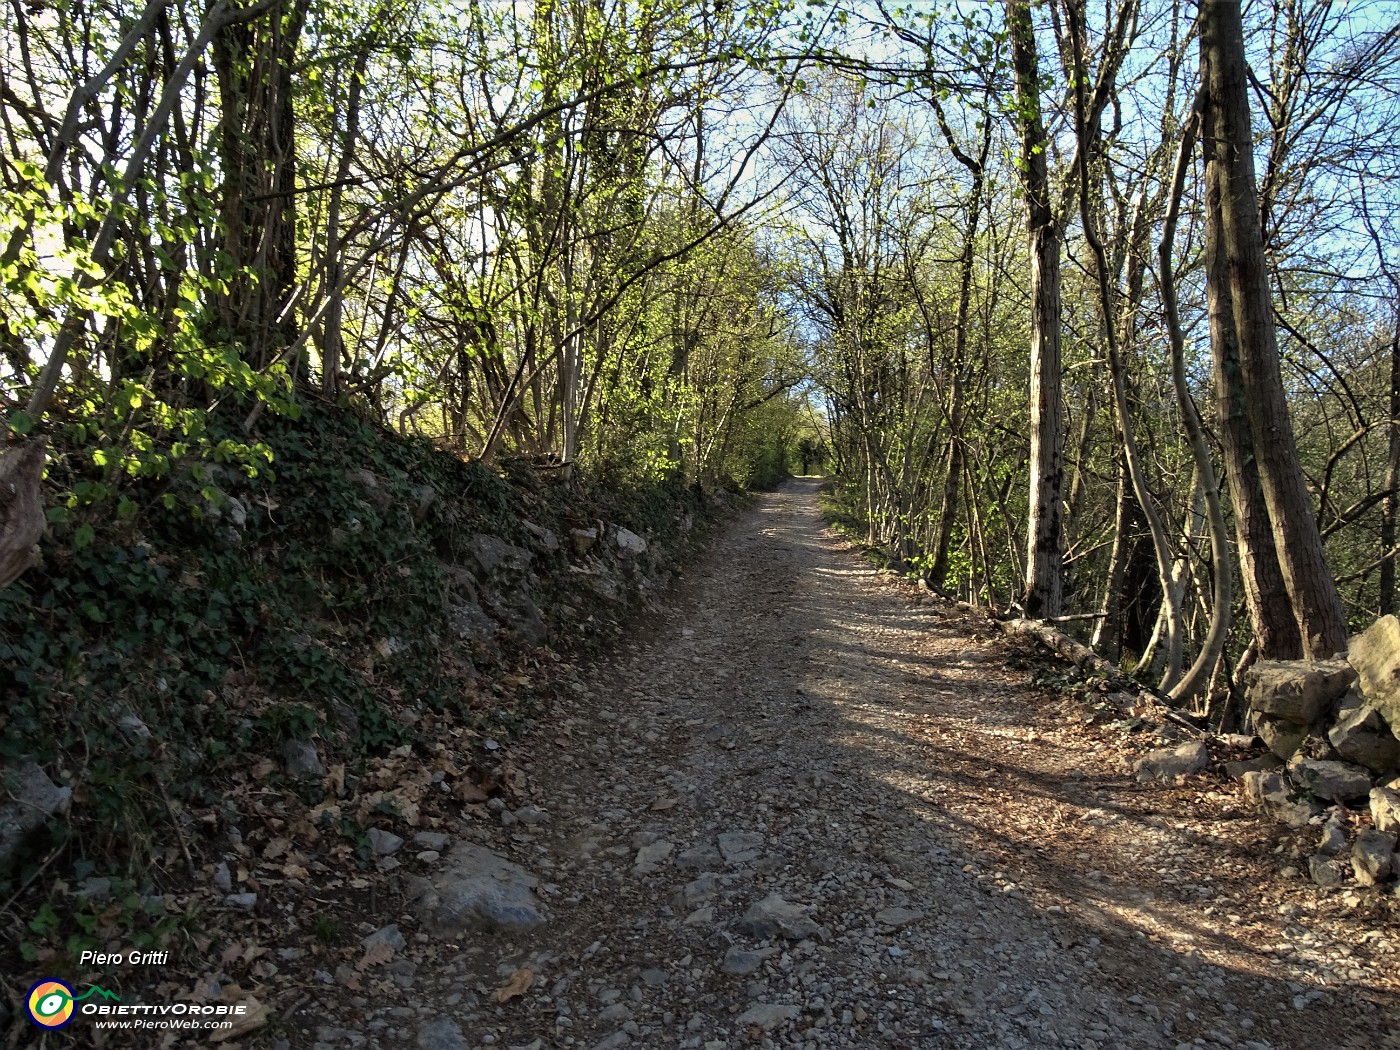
(740, 847)
(898, 916)
(741, 962)
(775, 917)
(477, 888)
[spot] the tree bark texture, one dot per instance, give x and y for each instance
(1045, 541)
(1239, 258)
(1390, 510)
(253, 61)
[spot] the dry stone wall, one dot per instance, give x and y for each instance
(1331, 730)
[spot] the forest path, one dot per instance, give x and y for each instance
(969, 863)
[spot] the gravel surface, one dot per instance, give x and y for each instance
(808, 806)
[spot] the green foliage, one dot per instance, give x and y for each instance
(328, 930)
(69, 922)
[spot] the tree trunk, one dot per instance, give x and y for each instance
(953, 467)
(947, 509)
(1108, 632)
(872, 510)
(21, 508)
(1270, 614)
(1088, 138)
(332, 333)
(1083, 448)
(1045, 539)
(253, 61)
(1196, 680)
(1390, 509)
(1239, 252)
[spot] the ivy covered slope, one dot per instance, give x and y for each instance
(361, 592)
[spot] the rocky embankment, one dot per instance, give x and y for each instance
(237, 696)
(1334, 757)
(494, 595)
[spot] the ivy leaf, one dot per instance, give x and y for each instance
(45, 921)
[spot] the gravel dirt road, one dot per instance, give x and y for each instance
(805, 805)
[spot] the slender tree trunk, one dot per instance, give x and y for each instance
(1083, 441)
(953, 466)
(1088, 139)
(1142, 588)
(977, 545)
(1045, 539)
(1311, 591)
(1390, 505)
(1108, 633)
(1197, 679)
(1390, 510)
(332, 332)
(872, 508)
(947, 512)
(1174, 605)
(1270, 614)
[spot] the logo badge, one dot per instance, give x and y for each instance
(50, 1004)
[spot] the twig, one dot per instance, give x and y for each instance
(179, 834)
(287, 1013)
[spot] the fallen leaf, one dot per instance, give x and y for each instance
(231, 993)
(276, 848)
(511, 778)
(254, 1016)
(518, 984)
(376, 953)
(399, 802)
(470, 792)
(328, 810)
(231, 953)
